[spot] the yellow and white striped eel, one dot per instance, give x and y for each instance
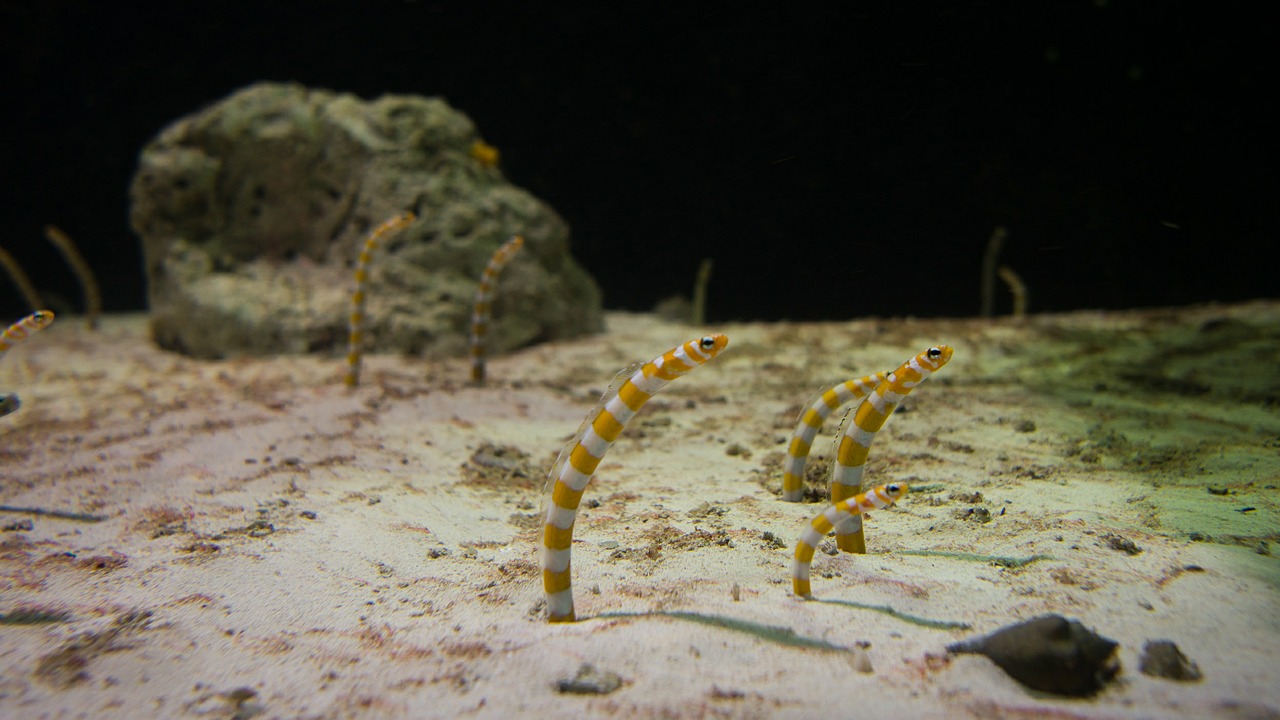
(578, 461)
(22, 329)
(823, 522)
(861, 429)
(484, 303)
(811, 421)
(16, 333)
(355, 338)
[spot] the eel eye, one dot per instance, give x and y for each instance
(935, 353)
(708, 342)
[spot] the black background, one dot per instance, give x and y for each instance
(837, 160)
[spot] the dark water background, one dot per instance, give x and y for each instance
(836, 160)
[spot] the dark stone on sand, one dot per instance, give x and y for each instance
(1162, 658)
(590, 681)
(1049, 653)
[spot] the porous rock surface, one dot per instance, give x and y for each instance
(253, 211)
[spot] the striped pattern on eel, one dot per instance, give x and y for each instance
(811, 421)
(484, 302)
(22, 329)
(860, 431)
(823, 522)
(577, 463)
(16, 333)
(355, 336)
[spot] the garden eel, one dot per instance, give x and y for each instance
(811, 420)
(823, 522)
(860, 430)
(16, 333)
(484, 302)
(577, 462)
(355, 338)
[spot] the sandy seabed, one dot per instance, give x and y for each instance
(248, 538)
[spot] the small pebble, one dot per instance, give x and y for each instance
(860, 661)
(706, 509)
(1124, 545)
(590, 681)
(772, 539)
(974, 514)
(1162, 658)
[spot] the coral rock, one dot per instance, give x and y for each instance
(252, 212)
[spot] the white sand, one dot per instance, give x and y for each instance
(305, 551)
